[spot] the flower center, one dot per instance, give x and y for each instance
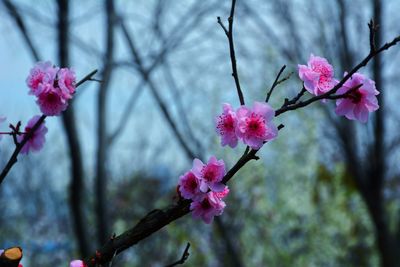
(355, 96)
(205, 204)
(192, 183)
(51, 97)
(255, 125)
(226, 124)
(208, 174)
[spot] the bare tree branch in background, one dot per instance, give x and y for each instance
(76, 190)
(22, 28)
(145, 74)
(184, 257)
(103, 224)
(183, 27)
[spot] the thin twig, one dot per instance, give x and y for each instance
(184, 257)
(275, 83)
(294, 100)
(229, 34)
(223, 26)
(86, 78)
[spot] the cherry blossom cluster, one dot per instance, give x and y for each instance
(203, 185)
(360, 92)
(52, 86)
(253, 126)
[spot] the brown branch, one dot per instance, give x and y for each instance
(229, 34)
(344, 95)
(184, 257)
(14, 157)
(275, 83)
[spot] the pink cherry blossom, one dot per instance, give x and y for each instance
(189, 186)
(77, 263)
(37, 140)
(226, 126)
(208, 207)
(223, 193)
(50, 100)
(210, 174)
(317, 75)
(42, 72)
(66, 82)
(359, 102)
(255, 125)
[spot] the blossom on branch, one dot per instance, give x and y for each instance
(203, 185)
(66, 82)
(52, 86)
(37, 140)
(210, 174)
(189, 186)
(226, 126)
(211, 205)
(360, 101)
(317, 75)
(50, 100)
(41, 73)
(255, 125)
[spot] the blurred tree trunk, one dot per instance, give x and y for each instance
(369, 173)
(76, 186)
(386, 244)
(103, 227)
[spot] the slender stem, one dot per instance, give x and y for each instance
(87, 78)
(11, 133)
(229, 34)
(276, 82)
(184, 257)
